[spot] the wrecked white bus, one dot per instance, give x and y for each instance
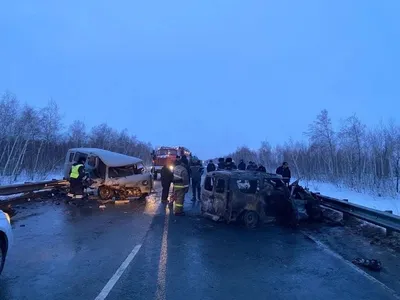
(113, 174)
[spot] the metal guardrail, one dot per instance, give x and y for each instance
(31, 187)
(380, 218)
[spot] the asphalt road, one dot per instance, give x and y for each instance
(141, 251)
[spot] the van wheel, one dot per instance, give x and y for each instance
(105, 193)
(251, 219)
(2, 253)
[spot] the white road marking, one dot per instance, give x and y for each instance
(350, 264)
(162, 264)
(113, 280)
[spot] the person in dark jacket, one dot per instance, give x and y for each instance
(284, 171)
(221, 163)
(210, 166)
(242, 165)
(76, 177)
(229, 164)
(251, 166)
(167, 176)
(196, 170)
(186, 164)
(262, 169)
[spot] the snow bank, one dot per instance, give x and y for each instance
(375, 202)
(22, 178)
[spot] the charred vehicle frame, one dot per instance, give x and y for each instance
(251, 197)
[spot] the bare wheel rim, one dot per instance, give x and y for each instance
(250, 219)
(105, 193)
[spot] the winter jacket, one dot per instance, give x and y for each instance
(210, 167)
(242, 166)
(196, 172)
(181, 177)
(284, 172)
(251, 167)
(262, 169)
(230, 166)
(167, 176)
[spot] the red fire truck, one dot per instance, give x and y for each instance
(167, 156)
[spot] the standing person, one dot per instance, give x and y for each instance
(167, 176)
(229, 164)
(186, 163)
(284, 171)
(76, 177)
(210, 166)
(221, 163)
(251, 166)
(197, 171)
(242, 165)
(262, 169)
(181, 187)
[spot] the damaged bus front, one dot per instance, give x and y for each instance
(113, 174)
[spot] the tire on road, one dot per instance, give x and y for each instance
(251, 219)
(105, 193)
(3, 252)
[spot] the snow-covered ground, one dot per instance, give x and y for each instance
(365, 199)
(22, 178)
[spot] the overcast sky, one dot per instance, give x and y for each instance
(208, 74)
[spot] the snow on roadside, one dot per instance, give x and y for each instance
(375, 202)
(7, 180)
(10, 197)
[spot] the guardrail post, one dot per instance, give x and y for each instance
(346, 217)
(389, 231)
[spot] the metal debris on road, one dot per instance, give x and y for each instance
(371, 264)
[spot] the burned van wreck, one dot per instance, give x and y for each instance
(251, 197)
(112, 174)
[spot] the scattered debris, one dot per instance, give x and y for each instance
(371, 264)
(121, 201)
(102, 206)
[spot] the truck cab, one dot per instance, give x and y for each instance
(167, 156)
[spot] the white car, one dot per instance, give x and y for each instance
(6, 237)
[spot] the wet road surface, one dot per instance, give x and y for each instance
(66, 252)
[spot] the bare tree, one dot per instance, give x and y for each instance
(78, 136)
(322, 136)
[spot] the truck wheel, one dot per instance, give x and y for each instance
(251, 219)
(3, 251)
(105, 193)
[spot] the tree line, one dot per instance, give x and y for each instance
(34, 143)
(364, 159)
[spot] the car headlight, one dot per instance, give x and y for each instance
(8, 218)
(171, 168)
(145, 182)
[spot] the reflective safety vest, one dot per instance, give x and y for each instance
(75, 171)
(181, 178)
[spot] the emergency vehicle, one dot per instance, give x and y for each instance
(167, 156)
